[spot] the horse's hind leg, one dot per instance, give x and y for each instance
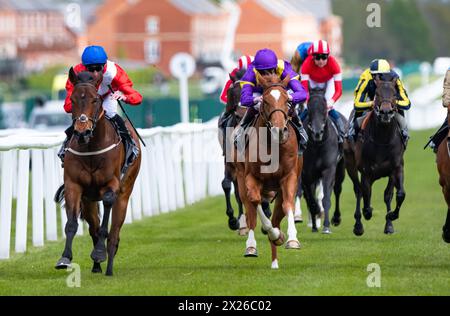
(72, 196)
(298, 206)
(446, 228)
(388, 195)
(242, 222)
(99, 252)
(90, 214)
(226, 186)
(400, 194)
(339, 178)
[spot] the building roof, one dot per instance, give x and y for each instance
(193, 7)
(279, 8)
(26, 5)
(321, 9)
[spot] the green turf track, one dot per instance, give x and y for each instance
(192, 252)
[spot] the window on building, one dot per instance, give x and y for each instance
(152, 25)
(152, 51)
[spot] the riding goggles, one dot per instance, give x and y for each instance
(321, 56)
(95, 67)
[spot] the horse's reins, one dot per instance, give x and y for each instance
(83, 118)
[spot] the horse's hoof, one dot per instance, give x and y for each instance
(98, 255)
(263, 231)
(233, 223)
(326, 230)
(251, 252)
(243, 231)
(391, 216)
(293, 244)
(96, 268)
(280, 240)
(358, 230)
(368, 213)
(336, 221)
(63, 263)
(298, 219)
(314, 230)
(389, 229)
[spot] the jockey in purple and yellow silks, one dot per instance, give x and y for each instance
(266, 62)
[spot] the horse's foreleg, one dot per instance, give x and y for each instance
(72, 197)
(119, 212)
(328, 176)
(226, 186)
(90, 214)
(446, 228)
(400, 194)
(313, 208)
(388, 195)
(109, 198)
(298, 207)
(288, 190)
(339, 178)
(366, 188)
(238, 198)
(277, 217)
(250, 217)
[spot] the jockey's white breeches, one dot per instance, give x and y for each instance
(110, 106)
(329, 86)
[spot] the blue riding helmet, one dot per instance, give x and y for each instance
(303, 50)
(94, 55)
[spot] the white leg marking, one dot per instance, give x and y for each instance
(251, 241)
(298, 207)
(273, 233)
(275, 264)
(292, 231)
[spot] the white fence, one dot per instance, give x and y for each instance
(181, 165)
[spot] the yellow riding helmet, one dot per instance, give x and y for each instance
(380, 66)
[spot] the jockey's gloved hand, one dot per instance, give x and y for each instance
(330, 105)
(257, 99)
(290, 98)
(118, 95)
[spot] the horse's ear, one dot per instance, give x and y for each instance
(286, 81)
(73, 76)
(262, 81)
(232, 78)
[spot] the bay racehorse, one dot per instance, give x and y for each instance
(378, 153)
(443, 165)
(259, 176)
(322, 160)
(92, 173)
(227, 123)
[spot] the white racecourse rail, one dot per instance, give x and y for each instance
(181, 164)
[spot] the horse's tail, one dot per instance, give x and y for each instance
(59, 195)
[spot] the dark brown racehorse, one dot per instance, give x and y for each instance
(92, 168)
(260, 175)
(443, 165)
(378, 153)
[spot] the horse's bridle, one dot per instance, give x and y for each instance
(266, 118)
(83, 118)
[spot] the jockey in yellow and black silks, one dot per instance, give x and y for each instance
(365, 93)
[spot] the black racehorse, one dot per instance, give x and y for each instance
(322, 161)
(228, 121)
(378, 153)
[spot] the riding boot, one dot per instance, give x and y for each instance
(62, 150)
(334, 115)
(223, 123)
(245, 122)
(302, 135)
(439, 136)
(131, 149)
(403, 127)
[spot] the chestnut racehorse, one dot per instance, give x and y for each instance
(92, 173)
(259, 176)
